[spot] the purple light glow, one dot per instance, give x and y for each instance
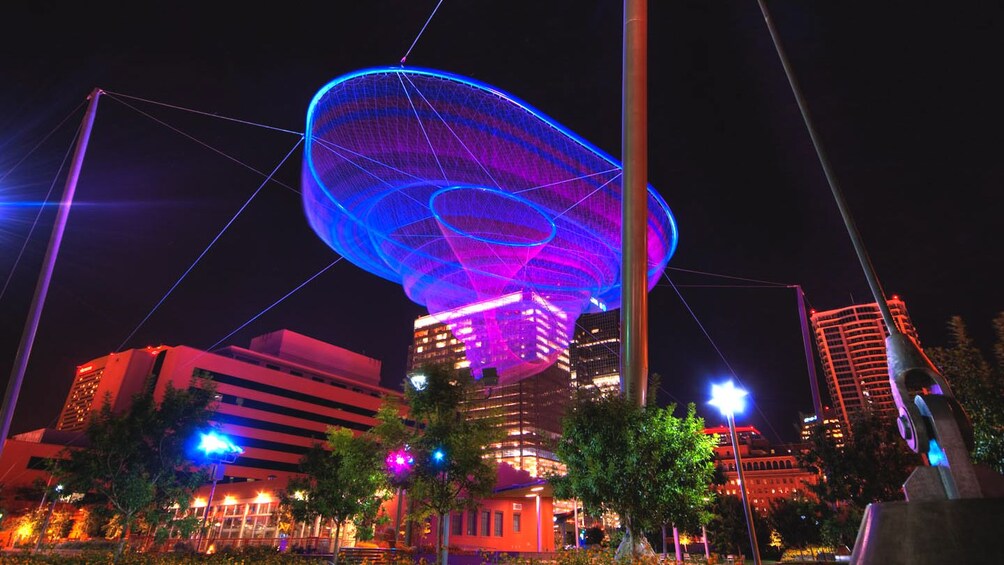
(399, 462)
(505, 225)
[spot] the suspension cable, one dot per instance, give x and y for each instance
(211, 243)
(408, 52)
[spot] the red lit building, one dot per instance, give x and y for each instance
(772, 472)
(276, 398)
(851, 345)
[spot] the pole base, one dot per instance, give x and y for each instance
(931, 532)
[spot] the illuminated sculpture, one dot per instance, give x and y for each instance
(487, 212)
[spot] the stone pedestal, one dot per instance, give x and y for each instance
(935, 532)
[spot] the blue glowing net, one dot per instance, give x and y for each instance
(501, 222)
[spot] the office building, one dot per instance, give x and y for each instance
(771, 472)
(832, 427)
(276, 398)
(595, 352)
(115, 377)
(531, 408)
(851, 344)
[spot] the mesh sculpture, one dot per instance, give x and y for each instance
(504, 224)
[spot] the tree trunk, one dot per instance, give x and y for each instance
(439, 541)
(634, 545)
(126, 525)
(338, 539)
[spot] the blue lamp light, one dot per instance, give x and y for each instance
(728, 399)
(218, 446)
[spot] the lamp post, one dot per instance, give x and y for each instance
(399, 463)
(729, 400)
(48, 516)
(219, 449)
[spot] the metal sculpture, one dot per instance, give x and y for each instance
(503, 223)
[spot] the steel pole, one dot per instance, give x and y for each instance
(205, 515)
(810, 363)
(707, 551)
(45, 523)
(742, 490)
(397, 519)
(45, 276)
(634, 204)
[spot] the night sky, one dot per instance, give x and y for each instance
(906, 96)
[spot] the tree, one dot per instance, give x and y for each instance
(978, 386)
(798, 522)
(138, 461)
(645, 464)
(340, 482)
(728, 531)
(452, 468)
(871, 467)
(840, 526)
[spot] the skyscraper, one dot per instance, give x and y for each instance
(851, 344)
(595, 351)
(531, 408)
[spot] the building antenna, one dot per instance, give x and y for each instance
(45, 276)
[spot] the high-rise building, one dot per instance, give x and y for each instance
(595, 351)
(276, 397)
(531, 408)
(116, 377)
(851, 344)
(832, 427)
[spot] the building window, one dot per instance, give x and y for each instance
(457, 527)
(498, 524)
(486, 523)
(472, 523)
(516, 519)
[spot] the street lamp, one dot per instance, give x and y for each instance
(48, 516)
(729, 400)
(219, 449)
(419, 381)
(399, 463)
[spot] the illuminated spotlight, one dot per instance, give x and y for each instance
(477, 203)
(217, 445)
(419, 381)
(399, 462)
(728, 399)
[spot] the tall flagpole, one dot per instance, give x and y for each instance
(48, 265)
(634, 204)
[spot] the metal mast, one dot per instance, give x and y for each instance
(48, 265)
(634, 205)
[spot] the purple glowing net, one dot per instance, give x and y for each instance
(504, 224)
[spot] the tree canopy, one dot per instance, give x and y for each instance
(979, 387)
(647, 465)
(871, 467)
(340, 482)
(139, 461)
(451, 469)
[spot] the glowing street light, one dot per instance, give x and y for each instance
(399, 463)
(419, 381)
(729, 400)
(219, 449)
